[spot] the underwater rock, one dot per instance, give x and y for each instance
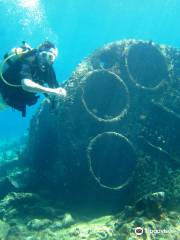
(4, 228)
(115, 137)
(11, 149)
(15, 199)
(18, 231)
(17, 205)
(31, 211)
(66, 221)
(12, 173)
(38, 224)
(151, 204)
(123, 225)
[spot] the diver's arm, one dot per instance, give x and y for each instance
(30, 86)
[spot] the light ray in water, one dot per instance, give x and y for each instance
(30, 4)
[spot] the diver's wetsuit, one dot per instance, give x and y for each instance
(20, 69)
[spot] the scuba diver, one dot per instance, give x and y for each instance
(24, 72)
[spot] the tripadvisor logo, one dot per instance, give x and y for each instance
(138, 231)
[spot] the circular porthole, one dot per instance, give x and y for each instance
(112, 160)
(146, 65)
(105, 96)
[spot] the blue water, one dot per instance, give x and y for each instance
(78, 28)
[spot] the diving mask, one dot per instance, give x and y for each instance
(47, 57)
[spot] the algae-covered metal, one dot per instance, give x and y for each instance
(122, 113)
